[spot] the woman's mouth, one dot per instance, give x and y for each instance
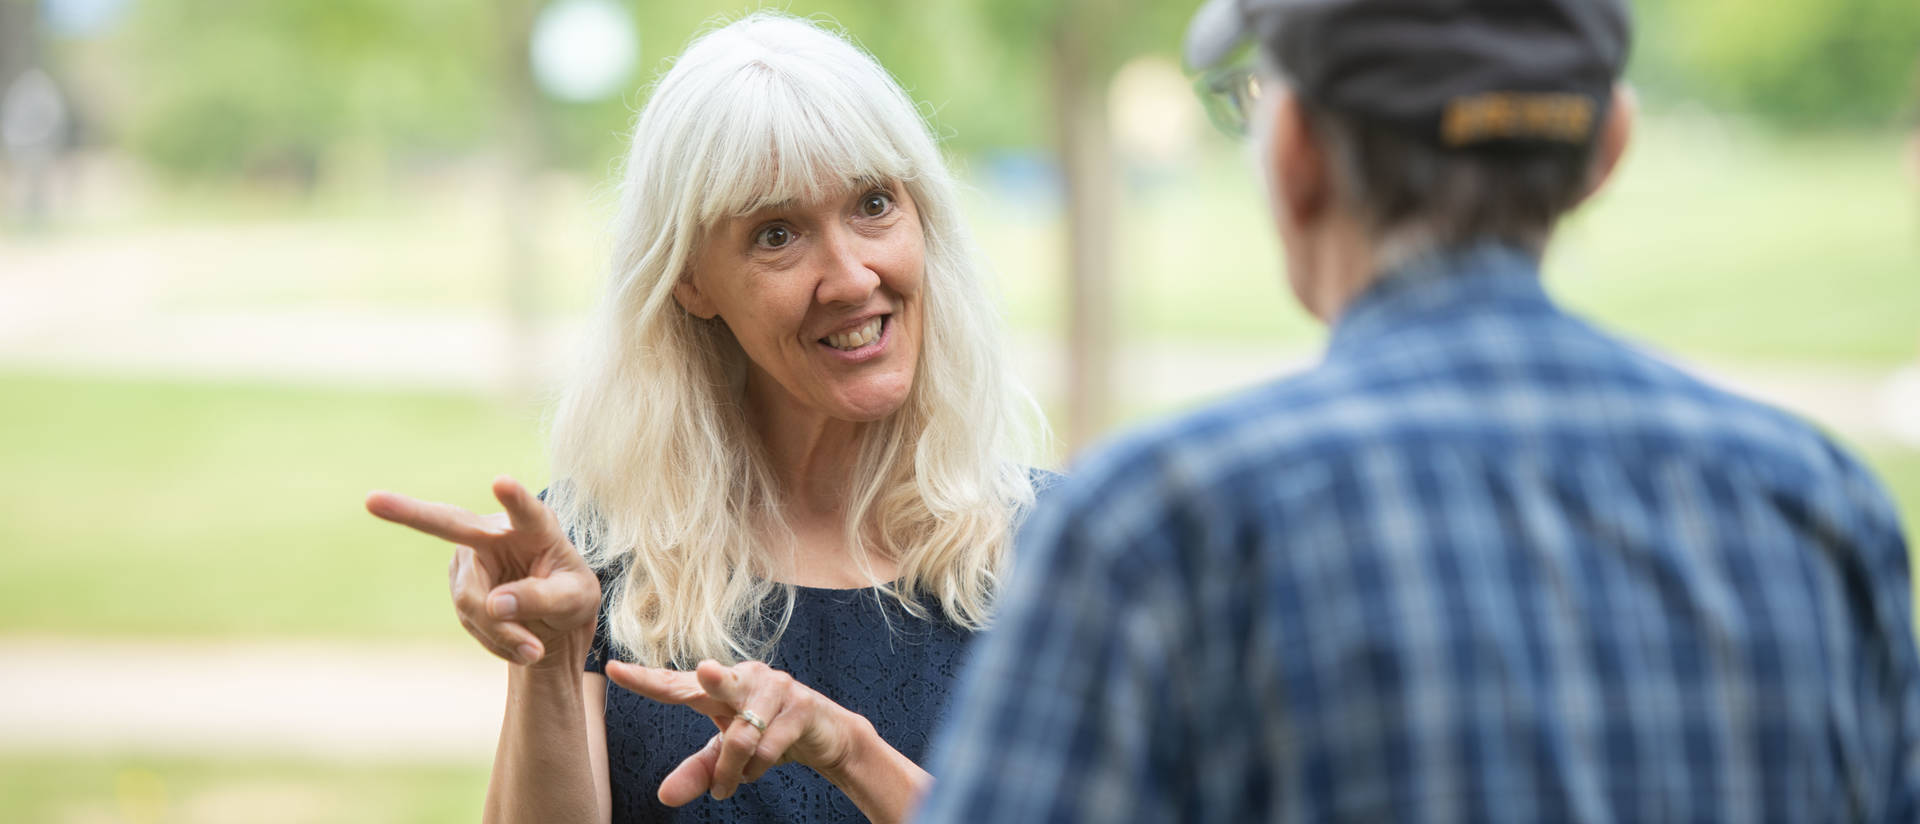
(857, 339)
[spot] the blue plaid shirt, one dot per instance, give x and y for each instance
(1483, 564)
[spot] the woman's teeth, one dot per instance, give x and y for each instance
(858, 337)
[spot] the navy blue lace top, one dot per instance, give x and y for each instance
(838, 642)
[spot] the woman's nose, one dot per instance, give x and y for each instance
(849, 277)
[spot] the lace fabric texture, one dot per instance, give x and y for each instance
(866, 654)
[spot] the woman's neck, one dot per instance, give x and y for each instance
(814, 474)
(813, 458)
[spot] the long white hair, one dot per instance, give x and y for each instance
(656, 469)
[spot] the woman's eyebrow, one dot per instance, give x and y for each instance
(775, 206)
(856, 186)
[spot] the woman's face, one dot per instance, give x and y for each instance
(823, 296)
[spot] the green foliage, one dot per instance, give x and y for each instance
(983, 85)
(1120, 29)
(227, 89)
(205, 509)
(1800, 64)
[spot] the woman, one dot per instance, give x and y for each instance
(791, 441)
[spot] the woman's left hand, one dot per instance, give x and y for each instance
(800, 725)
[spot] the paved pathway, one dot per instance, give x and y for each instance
(323, 700)
(480, 353)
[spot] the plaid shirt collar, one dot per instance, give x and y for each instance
(1435, 287)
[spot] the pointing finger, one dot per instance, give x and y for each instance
(663, 685)
(667, 687)
(444, 521)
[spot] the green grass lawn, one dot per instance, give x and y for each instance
(234, 791)
(180, 509)
(1779, 250)
(150, 509)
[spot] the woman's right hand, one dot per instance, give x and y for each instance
(520, 587)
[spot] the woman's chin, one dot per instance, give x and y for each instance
(865, 404)
(868, 412)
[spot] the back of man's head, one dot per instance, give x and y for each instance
(1442, 122)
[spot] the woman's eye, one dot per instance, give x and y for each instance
(774, 237)
(876, 204)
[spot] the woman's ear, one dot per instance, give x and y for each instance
(1615, 134)
(687, 293)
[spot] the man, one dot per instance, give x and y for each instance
(1484, 563)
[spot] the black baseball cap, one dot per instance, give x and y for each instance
(1460, 74)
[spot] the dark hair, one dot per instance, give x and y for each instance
(1400, 185)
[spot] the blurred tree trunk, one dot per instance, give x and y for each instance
(1086, 162)
(1082, 44)
(18, 22)
(23, 184)
(520, 156)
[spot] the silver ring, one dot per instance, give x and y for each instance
(754, 718)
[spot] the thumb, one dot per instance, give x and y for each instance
(693, 777)
(526, 512)
(563, 598)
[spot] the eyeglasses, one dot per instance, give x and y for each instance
(1229, 95)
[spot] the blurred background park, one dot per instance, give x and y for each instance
(260, 256)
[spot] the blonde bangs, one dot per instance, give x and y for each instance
(788, 131)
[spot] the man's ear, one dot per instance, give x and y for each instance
(687, 293)
(1615, 135)
(1301, 183)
